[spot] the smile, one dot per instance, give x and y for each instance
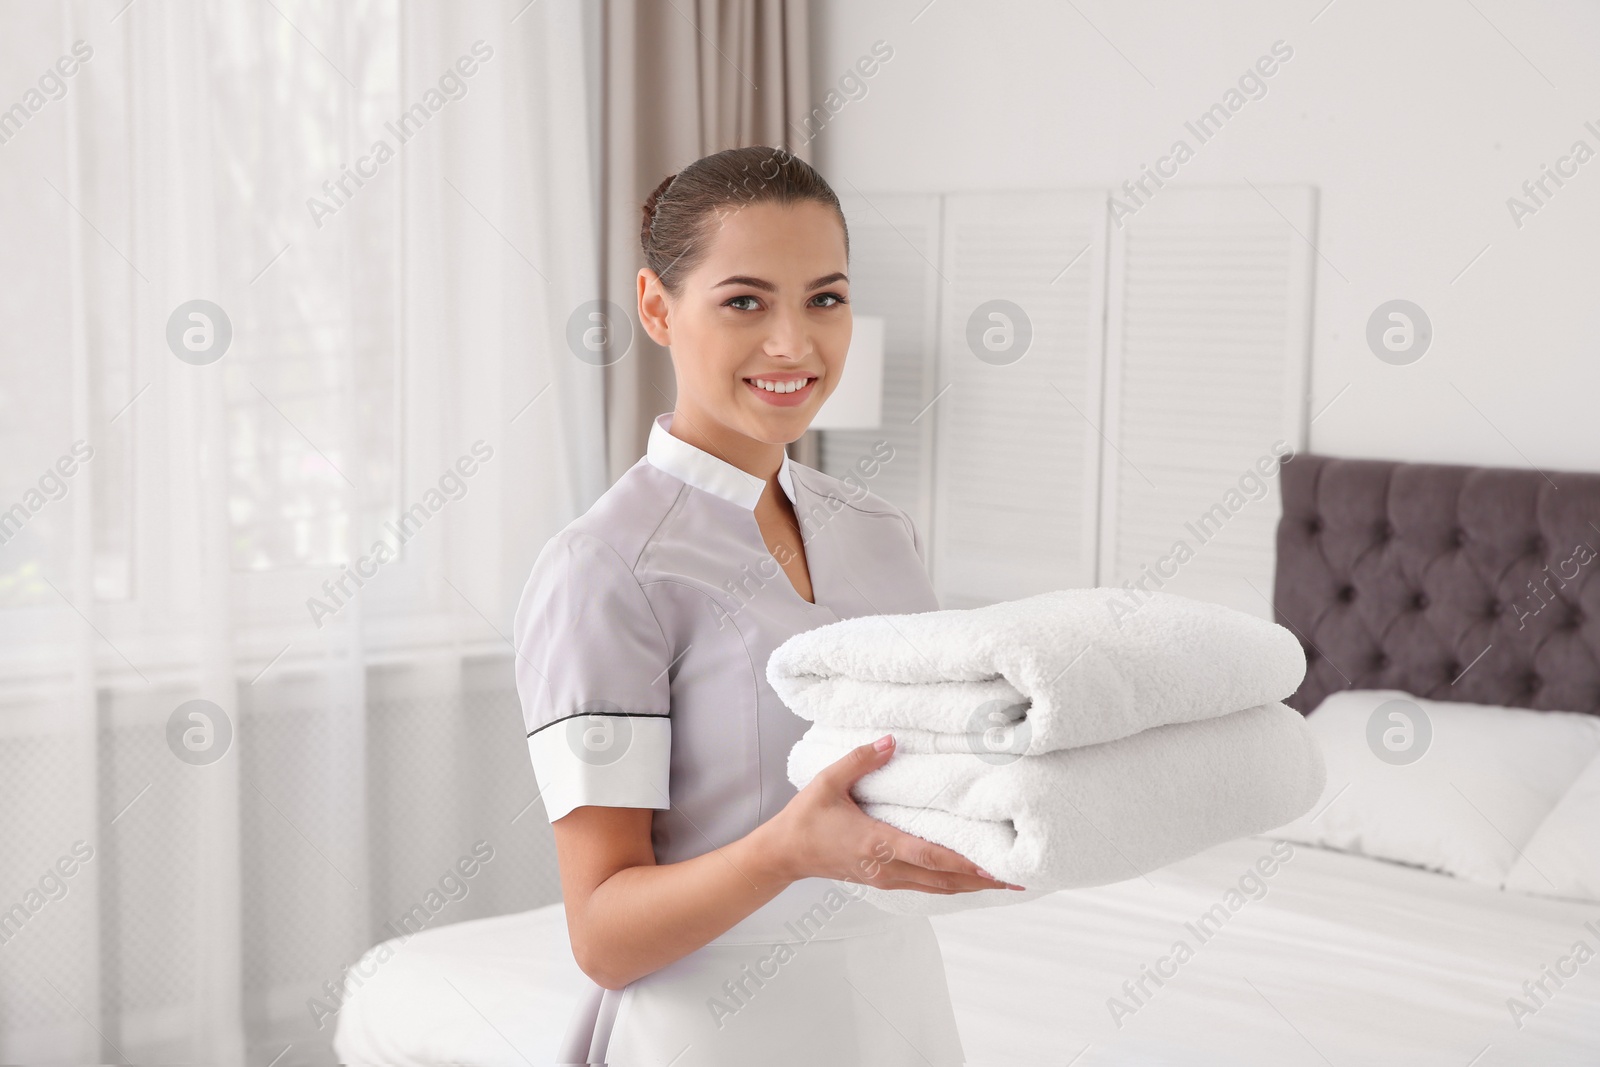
(785, 392)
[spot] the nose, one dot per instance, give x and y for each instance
(791, 335)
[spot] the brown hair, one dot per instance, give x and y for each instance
(677, 214)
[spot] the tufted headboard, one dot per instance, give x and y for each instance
(1473, 584)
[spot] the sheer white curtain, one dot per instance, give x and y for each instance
(387, 211)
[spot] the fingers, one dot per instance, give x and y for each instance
(935, 865)
(901, 860)
(901, 874)
(886, 870)
(842, 772)
(934, 857)
(924, 853)
(883, 881)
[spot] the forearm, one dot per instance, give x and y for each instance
(642, 918)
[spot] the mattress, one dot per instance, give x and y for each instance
(1328, 958)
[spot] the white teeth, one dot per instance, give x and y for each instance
(782, 387)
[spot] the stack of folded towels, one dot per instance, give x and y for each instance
(1063, 740)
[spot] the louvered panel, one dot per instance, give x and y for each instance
(894, 244)
(1017, 451)
(1209, 326)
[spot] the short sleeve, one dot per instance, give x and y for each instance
(591, 673)
(916, 536)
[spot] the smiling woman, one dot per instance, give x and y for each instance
(745, 281)
(690, 865)
(730, 287)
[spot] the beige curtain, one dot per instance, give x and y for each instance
(682, 79)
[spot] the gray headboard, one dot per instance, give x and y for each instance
(1416, 576)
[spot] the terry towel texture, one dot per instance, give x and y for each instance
(1063, 663)
(1089, 816)
(1054, 743)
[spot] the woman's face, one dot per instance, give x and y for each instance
(769, 300)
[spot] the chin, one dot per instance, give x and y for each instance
(779, 425)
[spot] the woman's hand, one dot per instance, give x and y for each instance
(821, 832)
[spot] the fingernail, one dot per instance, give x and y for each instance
(882, 744)
(986, 874)
(1022, 887)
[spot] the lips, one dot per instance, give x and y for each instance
(781, 399)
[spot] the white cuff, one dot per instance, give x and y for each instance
(614, 761)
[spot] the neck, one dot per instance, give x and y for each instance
(760, 458)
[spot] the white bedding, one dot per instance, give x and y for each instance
(1344, 960)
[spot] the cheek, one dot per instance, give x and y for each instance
(835, 350)
(715, 359)
(835, 340)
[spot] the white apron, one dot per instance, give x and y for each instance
(814, 977)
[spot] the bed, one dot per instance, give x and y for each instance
(1345, 960)
(1396, 577)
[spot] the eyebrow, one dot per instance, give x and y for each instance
(757, 283)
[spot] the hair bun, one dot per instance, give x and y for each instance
(650, 203)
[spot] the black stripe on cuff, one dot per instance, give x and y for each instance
(587, 714)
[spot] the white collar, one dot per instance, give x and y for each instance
(704, 471)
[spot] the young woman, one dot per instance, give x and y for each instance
(710, 902)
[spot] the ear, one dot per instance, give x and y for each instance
(654, 312)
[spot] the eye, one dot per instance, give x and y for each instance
(730, 303)
(835, 297)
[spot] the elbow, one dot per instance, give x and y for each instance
(598, 970)
(609, 983)
(605, 979)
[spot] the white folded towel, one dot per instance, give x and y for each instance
(1090, 815)
(1063, 669)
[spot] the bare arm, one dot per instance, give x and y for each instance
(628, 916)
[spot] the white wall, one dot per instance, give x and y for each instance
(1416, 121)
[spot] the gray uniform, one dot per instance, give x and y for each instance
(642, 639)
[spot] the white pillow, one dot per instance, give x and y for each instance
(1451, 787)
(1563, 859)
